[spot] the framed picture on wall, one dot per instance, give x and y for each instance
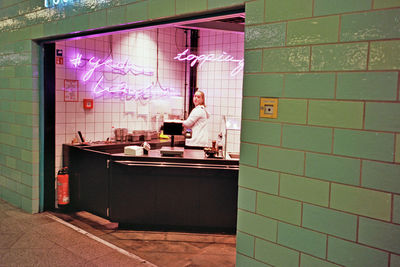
(71, 90)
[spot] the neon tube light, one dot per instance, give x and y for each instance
(117, 68)
(121, 89)
(224, 57)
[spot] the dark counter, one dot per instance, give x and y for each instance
(189, 193)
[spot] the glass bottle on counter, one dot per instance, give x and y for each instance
(220, 146)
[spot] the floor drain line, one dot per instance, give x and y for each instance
(108, 244)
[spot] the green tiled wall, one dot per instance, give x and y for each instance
(333, 176)
(353, 254)
(318, 185)
(313, 31)
(301, 239)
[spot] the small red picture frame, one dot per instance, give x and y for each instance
(71, 90)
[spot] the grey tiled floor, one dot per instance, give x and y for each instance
(40, 240)
(37, 240)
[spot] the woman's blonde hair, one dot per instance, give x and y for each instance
(203, 96)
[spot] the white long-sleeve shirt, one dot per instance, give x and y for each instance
(197, 121)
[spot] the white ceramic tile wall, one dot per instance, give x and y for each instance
(223, 91)
(138, 47)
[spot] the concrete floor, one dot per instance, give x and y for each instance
(82, 239)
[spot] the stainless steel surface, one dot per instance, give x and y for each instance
(174, 164)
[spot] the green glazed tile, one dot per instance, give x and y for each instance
(27, 179)
(187, 6)
(261, 132)
(79, 23)
(290, 110)
(9, 72)
(250, 108)
(223, 3)
(286, 59)
(386, 3)
(329, 221)
(370, 26)
(30, 205)
(361, 201)
(312, 138)
(257, 225)
(397, 148)
(276, 255)
(304, 189)
(279, 208)
(382, 116)
(242, 260)
(253, 61)
(310, 85)
(25, 167)
(336, 113)
(37, 31)
(278, 159)
(396, 209)
(367, 85)
(27, 191)
(161, 8)
(363, 144)
(381, 176)
(339, 57)
(11, 162)
(245, 244)
(276, 10)
(247, 199)
(254, 12)
(248, 154)
(355, 255)
(96, 19)
(309, 261)
(332, 168)
(327, 7)
(313, 31)
(302, 239)
(266, 35)
(394, 260)
(384, 55)
(137, 12)
(380, 235)
(13, 176)
(11, 196)
(270, 85)
(257, 179)
(116, 15)
(24, 70)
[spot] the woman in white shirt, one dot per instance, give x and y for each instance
(197, 121)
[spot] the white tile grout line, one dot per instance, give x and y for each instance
(108, 244)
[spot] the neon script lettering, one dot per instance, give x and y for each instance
(117, 68)
(121, 89)
(224, 57)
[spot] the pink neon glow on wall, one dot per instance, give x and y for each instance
(201, 59)
(120, 89)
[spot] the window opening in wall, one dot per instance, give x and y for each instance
(135, 79)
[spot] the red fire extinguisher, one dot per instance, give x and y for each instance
(63, 186)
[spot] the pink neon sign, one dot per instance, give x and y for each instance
(201, 59)
(118, 89)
